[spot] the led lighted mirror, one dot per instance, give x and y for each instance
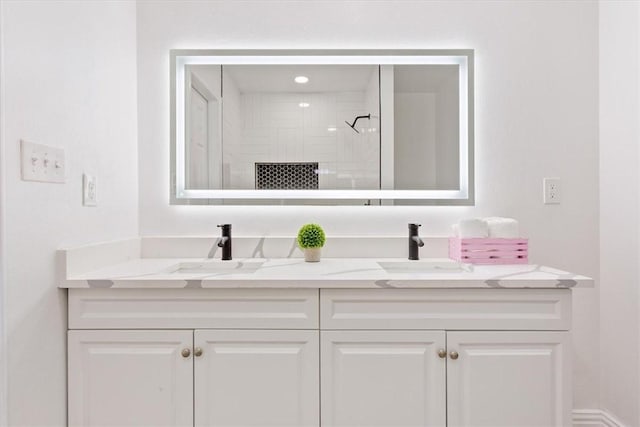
(377, 127)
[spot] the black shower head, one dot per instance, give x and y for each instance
(353, 125)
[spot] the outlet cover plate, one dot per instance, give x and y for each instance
(89, 190)
(552, 194)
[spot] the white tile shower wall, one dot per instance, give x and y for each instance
(68, 80)
(536, 116)
(274, 128)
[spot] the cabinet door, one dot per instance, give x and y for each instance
(130, 378)
(256, 378)
(383, 378)
(509, 379)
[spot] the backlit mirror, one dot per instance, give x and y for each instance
(322, 127)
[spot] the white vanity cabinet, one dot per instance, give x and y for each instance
(256, 378)
(383, 378)
(454, 357)
(507, 379)
(320, 357)
(134, 377)
(407, 378)
(263, 372)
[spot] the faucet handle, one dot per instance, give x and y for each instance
(414, 225)
(224, 225)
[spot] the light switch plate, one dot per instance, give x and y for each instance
(42, 163)
(89, 190)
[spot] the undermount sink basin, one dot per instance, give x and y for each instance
(434, 265)
(218, 266)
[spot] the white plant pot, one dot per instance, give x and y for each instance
(312, 254)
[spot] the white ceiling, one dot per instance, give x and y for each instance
(279, 78)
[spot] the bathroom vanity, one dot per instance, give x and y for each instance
(160, 336)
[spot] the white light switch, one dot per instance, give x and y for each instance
(552, 195)
(89, 190)
(42, 163)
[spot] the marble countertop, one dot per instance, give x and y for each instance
(328, 273)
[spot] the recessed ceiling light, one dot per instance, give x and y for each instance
(332, 128)
(304, 104)
(301, 79)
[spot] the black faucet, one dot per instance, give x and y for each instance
(414, 241)
(224, 242)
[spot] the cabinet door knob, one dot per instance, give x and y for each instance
(442, 353)
(186, 352)
(454, 355)
(197, 352)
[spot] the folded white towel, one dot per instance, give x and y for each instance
(472, 228)
(503, 228)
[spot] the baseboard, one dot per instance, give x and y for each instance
(594, 418)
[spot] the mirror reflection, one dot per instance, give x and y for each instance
(310, 127)
(283, 127)
(426, 127)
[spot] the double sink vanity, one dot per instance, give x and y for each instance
(162, 334)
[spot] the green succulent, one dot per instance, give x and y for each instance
(311, 236)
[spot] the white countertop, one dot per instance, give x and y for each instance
(328, 273)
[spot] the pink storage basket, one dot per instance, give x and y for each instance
(489, 251)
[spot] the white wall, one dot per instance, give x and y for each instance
(414, 121)
(447, 151)
(426, 127)
(3, 203)
(69, 80)
(619, 211)
(536, 116)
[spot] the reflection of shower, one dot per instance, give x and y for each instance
(353, 125)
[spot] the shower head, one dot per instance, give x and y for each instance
(353, 125)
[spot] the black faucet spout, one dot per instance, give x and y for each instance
(415, 241)
(222, 241)
(225, 242)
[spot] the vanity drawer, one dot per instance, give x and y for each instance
(193, 308)
(451, 309)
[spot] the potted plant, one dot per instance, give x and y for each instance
(311, 239)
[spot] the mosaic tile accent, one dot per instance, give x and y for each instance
(287, 176)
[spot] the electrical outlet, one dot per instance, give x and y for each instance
(42, 163)
(552, 195)
(89, 190)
